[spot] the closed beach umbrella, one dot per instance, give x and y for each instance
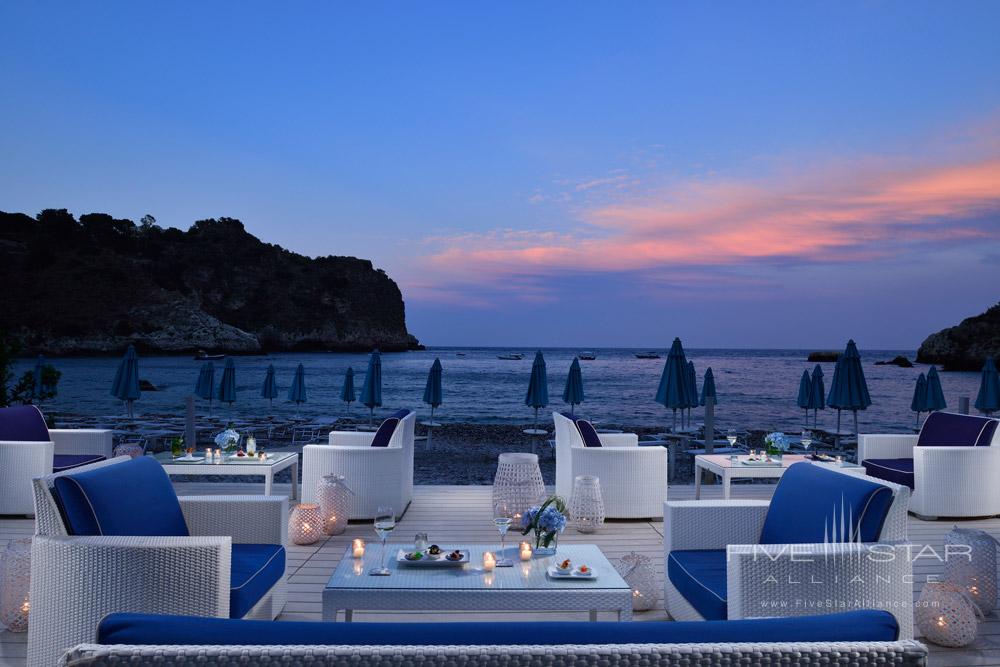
(371, 391)
(538, 386)
(347, 393)
(227, 386)
(297, 392)
(126, 384)
(935, 395)
(205, 386)
(673, 390)
(432, 390)
(988, 399)
(708, 386)
(805, 388)
(573, 393)
(691, 378)
(40, 386)
(269, 389)
(817, 393)
(919, 402)
(848, 389)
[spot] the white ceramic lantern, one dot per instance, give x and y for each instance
(586, 505)
(305, 524)
(946, 615)
(334, 503)
(15, 577)
(637, 571)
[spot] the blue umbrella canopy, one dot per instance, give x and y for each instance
(805, 388)
(918, 403)
(988, 399)
(227, 386)
(573, 393)
(848, 389)
(708, 386)
(673, 390)
(38, 373)
(538, 385)
(297, 392)
(205, 386)
(126, 383)
(691, 378)
(817, 393)
(371, 390)
(432, 390)
(347, 393)
(935, 395)
(269, 389)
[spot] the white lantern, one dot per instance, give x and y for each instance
(637, 571)
(334, 503)
(15, 577)
(971, 562)
(305, 524)
(945, 615)
(586, 505)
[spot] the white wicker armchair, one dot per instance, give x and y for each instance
(76, 581)
(792, 579)
(21, 462)
(948, 481)
(633, 478)
(378, 476)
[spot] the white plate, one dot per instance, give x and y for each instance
(761, 464)
(246, 459)
(554, 573)
(189, 459)
(430, 561)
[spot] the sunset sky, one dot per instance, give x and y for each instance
(593, 174)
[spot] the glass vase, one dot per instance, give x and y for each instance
(541, 549)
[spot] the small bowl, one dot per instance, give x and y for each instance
(564, 570)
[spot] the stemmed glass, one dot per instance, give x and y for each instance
(731, 437)
(502, 518)
(385, 522)
(806, 440)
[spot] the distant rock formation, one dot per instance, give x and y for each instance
(900, 361)
(966, 346)
(99, 284)
(823, 356)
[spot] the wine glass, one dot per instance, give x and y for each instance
(385, 522)
(502, 518)
(731, 437)
(806, 440)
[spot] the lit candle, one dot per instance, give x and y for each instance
(262, 456)
(489, 561)
(525, 551)
(251, 445)
(358, 548)
(208, 455)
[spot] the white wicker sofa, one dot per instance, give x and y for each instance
(826, 540)
(952, 466)
(378, 467)
(77, 579)
(633, 478)
(29, 449)
(854, 638)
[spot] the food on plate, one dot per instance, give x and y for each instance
(414, 555)
(434, 550)
(565, 566)
(583, 569)
(241, 453)
(455, 555)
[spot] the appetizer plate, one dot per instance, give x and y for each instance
(432, 561)
(554, 573)
(762, 464)
(189, 459)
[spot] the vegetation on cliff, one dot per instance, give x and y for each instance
(97, 284)
(966, 346)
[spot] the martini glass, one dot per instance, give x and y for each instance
(502, 518)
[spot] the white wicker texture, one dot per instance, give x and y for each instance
(972, 564)
(379, 476)
(885, 446)
(518, 484)
(637, 571)
(945, 615)
(633, 478)
(334, 499)
(305, 525)
(841, 654)
(77, 580)
(586, 506)
(83, 441)
(15, 576)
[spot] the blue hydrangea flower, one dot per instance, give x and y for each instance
(552, 520)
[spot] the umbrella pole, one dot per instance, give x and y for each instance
(855, 424)
(836, 441)
(430, 430)
(674, 428)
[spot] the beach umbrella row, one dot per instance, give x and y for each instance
(675, 391)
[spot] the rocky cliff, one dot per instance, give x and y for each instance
(96, 284)
(966, 346)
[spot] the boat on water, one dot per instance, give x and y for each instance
(646, 355)
(460, 354)
(205, 356)
(513, 356)
(587, 356)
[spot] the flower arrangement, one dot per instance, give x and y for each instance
(776, 443)
(228, 439)
(546, 521)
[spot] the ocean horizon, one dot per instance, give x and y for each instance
(756, 388)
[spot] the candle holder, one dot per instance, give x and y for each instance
(358, 548)
(489, 561)
(945, 615)
(586, 506)
(15, 577)
(334, 503)
(525, 551)
(971, 562)
(637, 571)
(305, 523)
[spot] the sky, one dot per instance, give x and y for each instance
(781, 174)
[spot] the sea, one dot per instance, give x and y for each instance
(756, 388)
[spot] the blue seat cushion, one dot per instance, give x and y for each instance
(384, 433)
(947, 429)
(700, 576)
(148, 629)
(898, 471)
(588, 433)
(812, 504)
(64, 462)
(23, 423)
(134, 498)
(255, 569)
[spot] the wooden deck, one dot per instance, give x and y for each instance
(456, 514)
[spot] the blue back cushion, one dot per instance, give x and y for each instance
(814, 505)
(23, 423)
(588, 433)
(947, 429)
(384, 432)
(134, 498)
(148, 629)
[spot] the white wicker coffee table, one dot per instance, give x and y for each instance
(729, 468)
(276, 462)
(523, 587)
